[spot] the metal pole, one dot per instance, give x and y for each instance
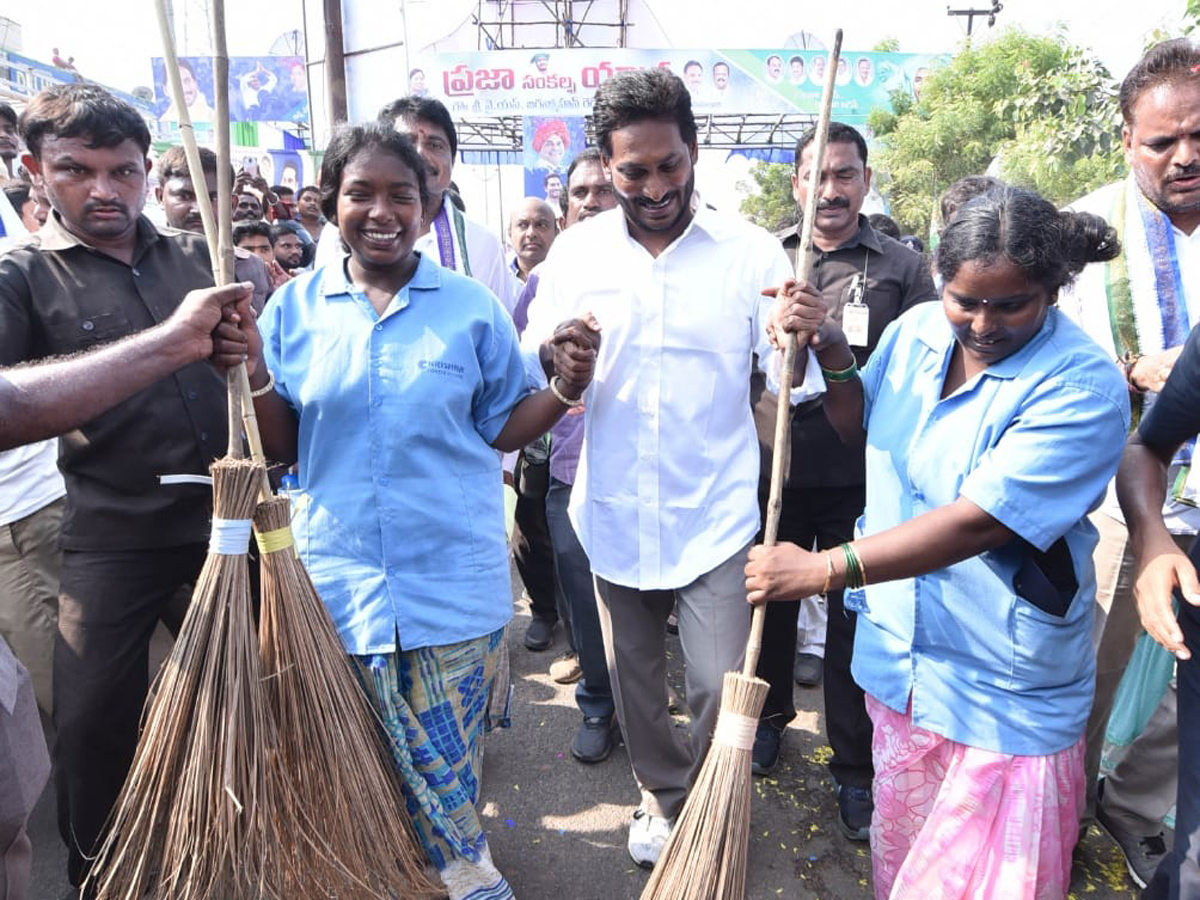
(404, 28)
(335, 62)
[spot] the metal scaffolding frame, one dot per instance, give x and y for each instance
(499, 28)
(722, 131)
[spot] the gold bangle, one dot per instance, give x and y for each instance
(266, 388)
(828, 572)
(560, 396)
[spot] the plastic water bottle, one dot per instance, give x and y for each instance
(287, 484)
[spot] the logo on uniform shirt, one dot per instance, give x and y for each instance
(441, 367)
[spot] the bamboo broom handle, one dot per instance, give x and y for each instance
(804, 264)
(220, 251)
(236, 378)
(249, 420)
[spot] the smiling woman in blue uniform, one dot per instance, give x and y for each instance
(393, 382)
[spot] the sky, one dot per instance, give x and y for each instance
(115, 49)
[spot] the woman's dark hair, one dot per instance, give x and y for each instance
(351, 140)
(1048, 246)
(965, 190)
(631, 97)
(82, 111)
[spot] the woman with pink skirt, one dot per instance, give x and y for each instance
(993, 425)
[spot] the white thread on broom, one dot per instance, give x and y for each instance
(230, 537)
(735, 730)
(185, 479)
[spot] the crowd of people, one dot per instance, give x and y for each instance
(987, 499)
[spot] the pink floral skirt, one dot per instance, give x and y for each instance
(954, 822)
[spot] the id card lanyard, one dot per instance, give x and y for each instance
(856, 315)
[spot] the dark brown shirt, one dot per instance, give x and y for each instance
(896, 279)
(57, 297)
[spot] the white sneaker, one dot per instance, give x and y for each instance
(647, 836)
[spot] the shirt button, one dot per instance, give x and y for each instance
(383, 482)
(204, 435)
(192, 395)
(136, 272)
(378, 401)
(379, 326)
(87, 324)
(918, 496)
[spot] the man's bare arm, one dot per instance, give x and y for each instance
(46, 399)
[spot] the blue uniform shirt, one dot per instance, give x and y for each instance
(1031, 440)
(400, 516)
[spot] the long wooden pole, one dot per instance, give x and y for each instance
(218, 224)
(804, 265)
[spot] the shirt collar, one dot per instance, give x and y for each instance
(427, 277)
(940, 340)
(55, 236)
(866, 236)
(704, 220)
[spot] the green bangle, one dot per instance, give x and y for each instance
(840, 375)
(854, 576)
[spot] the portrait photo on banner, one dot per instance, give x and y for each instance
(551, 142)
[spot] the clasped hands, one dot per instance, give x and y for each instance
(575, 345)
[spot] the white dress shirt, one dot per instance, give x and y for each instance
(667, 487)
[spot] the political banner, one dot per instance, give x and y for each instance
(562, 83)
(261, 89)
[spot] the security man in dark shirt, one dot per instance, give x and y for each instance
(867, 280)
(99, 271)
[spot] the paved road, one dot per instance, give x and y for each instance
(557, 828)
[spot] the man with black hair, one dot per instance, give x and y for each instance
(588, 194)
(176, 191)
(308, 211)
(99, 271)
(247, 207)
(285, 203)
(867, 280)
(664, 498)
(288, 248)
(256, 237)
(9, 144)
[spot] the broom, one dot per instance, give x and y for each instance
(188, 823)
(359, 842)
(705, 857)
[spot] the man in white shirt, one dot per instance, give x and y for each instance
(665, 498)
(1140, 307)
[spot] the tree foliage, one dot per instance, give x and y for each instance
(771, 205)
(1039, 107)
